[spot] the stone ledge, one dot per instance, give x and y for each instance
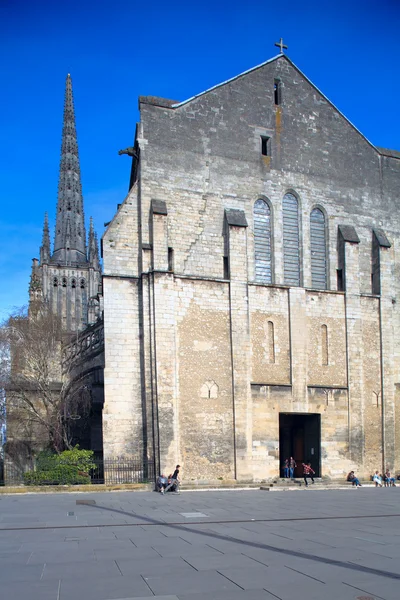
(66, 489)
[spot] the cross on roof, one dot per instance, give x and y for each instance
(281, 45)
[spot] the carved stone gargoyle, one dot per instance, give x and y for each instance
(129, 151)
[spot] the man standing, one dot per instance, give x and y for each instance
(308, 472)
(286, 468)
(175, 481)
(292, 466)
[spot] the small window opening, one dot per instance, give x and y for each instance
(265, 145)
(64, 282)
(170, 259)
(55, 282)
(339, 279)
(82, 284)
(277, 92)
(73, 284)
(226, 267)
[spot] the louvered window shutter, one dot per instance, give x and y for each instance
(262, 241)
(318, 249)
(291, 240)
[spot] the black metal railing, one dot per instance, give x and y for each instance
(119, 471)
(106, 471)
(11, 473)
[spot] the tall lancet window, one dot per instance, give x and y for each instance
(318, 249)
(291, 240)
(324, 346)
(262, 241)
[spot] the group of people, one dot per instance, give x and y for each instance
(289, 465)
(170, 483)
(387, 480)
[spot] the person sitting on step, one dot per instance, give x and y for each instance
(354, 480)
(377, 479)
(388, 479)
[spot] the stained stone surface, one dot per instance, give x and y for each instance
(314, 544)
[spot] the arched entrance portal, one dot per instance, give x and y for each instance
(300, 437)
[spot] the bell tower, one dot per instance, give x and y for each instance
(69, 279)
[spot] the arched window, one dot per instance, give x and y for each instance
(64, 282)
(262, 241)
(318, 249)
(55, 282)
(83, 284)
(291, 240)
(73, 283)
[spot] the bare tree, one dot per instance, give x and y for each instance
(42, 397)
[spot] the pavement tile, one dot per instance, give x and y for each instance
(20, 590)
(194, 581)
(155, 567)
(110, 588)
(75, 570)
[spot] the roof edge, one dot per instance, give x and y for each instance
(214, 87)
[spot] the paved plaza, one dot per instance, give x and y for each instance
(220, 545)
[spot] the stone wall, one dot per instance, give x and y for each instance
(200, 357)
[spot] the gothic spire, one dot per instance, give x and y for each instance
(69, 245)
(45, 247)
(93, 248)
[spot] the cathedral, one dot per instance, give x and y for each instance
(250, 284)
(69, 278)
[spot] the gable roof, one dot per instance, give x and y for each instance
(162, 102)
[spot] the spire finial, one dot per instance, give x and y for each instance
(45, 247)
(281, 45)
(69, 245)
(93, 255)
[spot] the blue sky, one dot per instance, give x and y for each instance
(116, 51)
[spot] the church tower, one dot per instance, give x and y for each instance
(69, 279)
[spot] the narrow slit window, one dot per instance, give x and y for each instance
(170, 259)
(271, 343)
(324, 345)
(277, 92)
(265, 145)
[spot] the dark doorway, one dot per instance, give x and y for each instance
(300, 437)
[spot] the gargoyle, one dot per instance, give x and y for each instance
(129, 151)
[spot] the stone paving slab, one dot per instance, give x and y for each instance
(251, 545)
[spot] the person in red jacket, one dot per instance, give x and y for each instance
(308, 472)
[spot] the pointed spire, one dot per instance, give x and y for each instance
(69, 245)
(45, 247)
(93, 245)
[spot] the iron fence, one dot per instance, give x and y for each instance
(106, 471)
(12, 473)
(119, 471)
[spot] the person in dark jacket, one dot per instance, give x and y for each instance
(354, 480)
(175, 481)
(308, 472)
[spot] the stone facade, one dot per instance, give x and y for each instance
(206, 364)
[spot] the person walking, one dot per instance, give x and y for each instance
(175, 481)
(286, 468)
(292, 466)
(308, 472)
